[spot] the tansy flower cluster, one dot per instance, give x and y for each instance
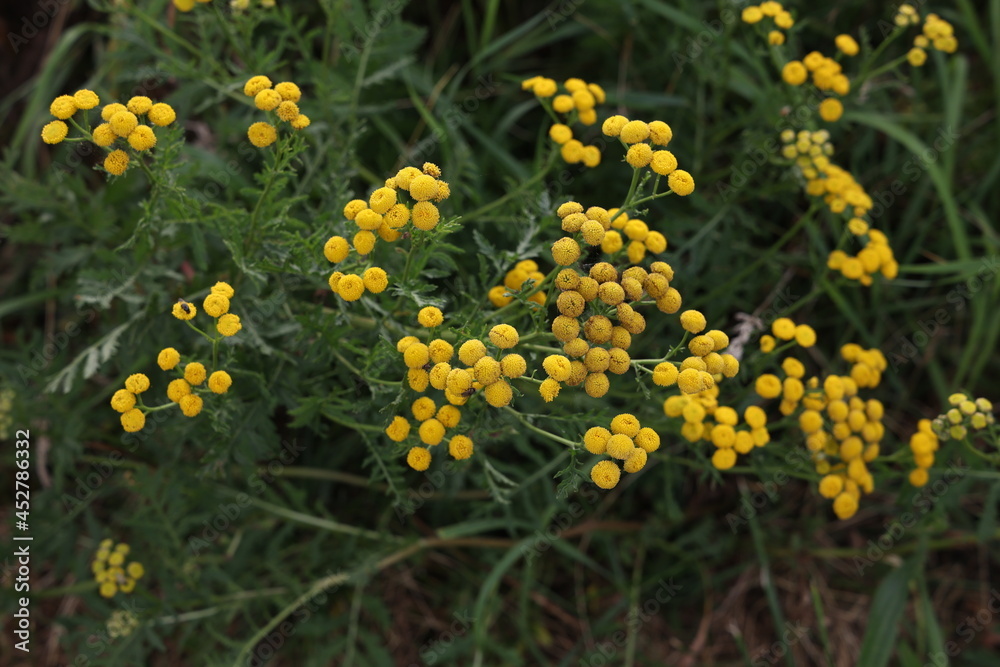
(598, 227)
(827, 75)
(937, 33)
(122, 623)
(626, 441)
(640, 138)
(705, 367)
(122, 121)
(965, 414)
(281, 102)
(111, 572)
(705, 419)
(523, 271)
(575, 104)
(406, 198)
(184, 391)
(842, 431)
(773, 11)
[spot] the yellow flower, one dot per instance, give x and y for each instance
(229, 324)
(425, 215)
(845, 505)
(398, 429)
(545, 87)
(262, 135)
(110, 110)
(123, 400)
(423, 187)
(634, 131)
(831, 109)
(300, 122)
(693, 321)
(513, 365)
(123, 123)
(194, 373)
(116, 162)
(613, 125)
(555, 365)
(139, 105)
(498, 394)
(549, 389)
(288, 91)
(256, 84)
(133, 420)
(805, 335)
(184, 5)
(918, 477)
(681, 182)
(768, 386)
(783, 328)
(142, 138)
(63, 107)
(847, 45)
(663, 162)
(288, 111)
(178, 389)
(560, 133)
(794, 73)
(724, 459)
(752, 14)
(916, 56)
(86, 99)
(103, 135)
(605, 474)
(665, 374)
(418, 458)
(137, 383)
(430, 317)
(460, 447)
(191, 405)
(54, 132)
(375, 280)
(267, 99)
(565, 251)
(503, 336)
(219, 382)
(776, 38)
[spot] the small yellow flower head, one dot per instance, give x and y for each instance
(425, 215)
(350, 287)
(177, 389)
(397, 216)
(916, 56)
(693, 321)
(503, 336)
(724, 459)
(267, 99)
(418, 458)
(133, 420)
(195, 373)
(63, 107)
(560, 133)
(784, 20)
(116, 162)
(605, 474)
(681, 182)
(612, 126)
(375, 279)
(123, 123)
(123, 400)
(288, 91)
(423, 187)
(805, 335)
(216, 305)
(460, 447)
(142, 138)
(660, 133)
(262, 134)
(103, 135)
(565, 251)
(137, 383)
(398, 429)
(556, 366)
(845, 505)
(256, 84)
(54, 132)
(430, 317)
(776, 38)
(636, 461)
(665, 374)
(353, 207)
(693, 381)
(768, 386)
(139, 105)
(470, 352)
(545, 87)
(639, 155)
(161, 114)
(625, 424)
(431, 169)
(382, 200)
(663, 162)
(431, 432)
(498, 394)
(288, 111)
(794, 73)
(86, 99)
(620, 446)
(219, 382)
(336, 249)
(847, 45)
(229, 324)
(191, 405)
(110, 110)
(549, 389)
(831, 109)
(634, 131)
(300, 122)
(783, 328)
(752, 14)
(423, 408)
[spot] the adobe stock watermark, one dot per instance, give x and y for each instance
(269, 646)
(542, 540)
(771, 655)
(30, 26)
(922, 504)
(907, 346)
(967, 631)
(554, 16)
(750, 505)
(912, 170)
(604, 653)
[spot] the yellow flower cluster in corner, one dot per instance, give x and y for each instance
(386, 213)
(640, 138)
(282, 104)
(523, 271)
(121, 122)
(842, 431)
(111, 572)
(776, 13)
(627, 441)
(965, 414)
(577, 103)
(937, 33)
(430, 365)
(183, 391)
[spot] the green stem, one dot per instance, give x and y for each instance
(540, 431)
